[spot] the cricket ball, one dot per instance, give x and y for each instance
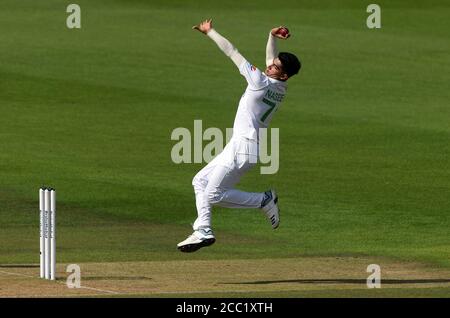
(283, 32)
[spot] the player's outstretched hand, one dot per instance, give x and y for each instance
(204, 26)
(281, 32)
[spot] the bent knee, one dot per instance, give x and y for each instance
(199, 183)
(214, 195)
(195, 180)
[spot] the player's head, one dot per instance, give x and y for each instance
(284, 66)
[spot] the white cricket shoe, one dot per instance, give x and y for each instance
(270, 208)
(198, 239)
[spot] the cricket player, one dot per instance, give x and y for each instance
(214, 184)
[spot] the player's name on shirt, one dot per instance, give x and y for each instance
(277, 97)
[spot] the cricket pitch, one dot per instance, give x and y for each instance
(292, 277)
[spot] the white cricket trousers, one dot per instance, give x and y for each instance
(214, 184)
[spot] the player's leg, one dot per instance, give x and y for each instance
(220, 189)
(214, 184)
(222, 180)
(203, 234)
(200, 182)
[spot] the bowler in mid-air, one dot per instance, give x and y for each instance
(214, 184)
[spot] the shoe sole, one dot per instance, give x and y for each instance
(275, 201)
(189, 248)
(278, 221)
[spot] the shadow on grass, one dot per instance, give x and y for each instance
(342, 281)
(19, 266)
(92, 278)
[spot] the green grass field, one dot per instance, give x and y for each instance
(364, 131)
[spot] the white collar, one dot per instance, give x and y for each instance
(275, 81)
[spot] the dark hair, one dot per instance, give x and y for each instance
(291, 64)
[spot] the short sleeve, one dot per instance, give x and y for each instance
(255, 78)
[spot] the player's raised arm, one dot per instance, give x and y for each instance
(271, 48)
(206, 28)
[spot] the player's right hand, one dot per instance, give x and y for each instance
(204, 26)
(280, 32)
